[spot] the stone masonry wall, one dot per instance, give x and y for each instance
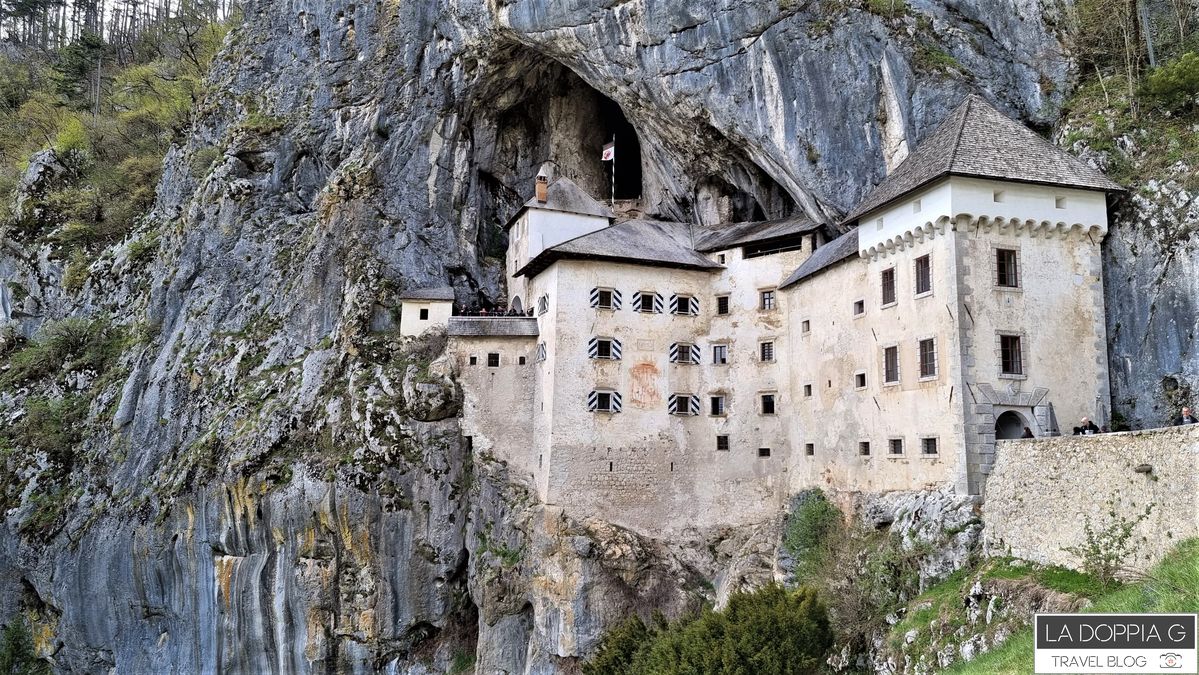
(1042, 491)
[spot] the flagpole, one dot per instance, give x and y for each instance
(613, 203)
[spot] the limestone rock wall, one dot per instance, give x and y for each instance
(1044, 491)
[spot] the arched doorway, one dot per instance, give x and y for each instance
(1010, 425)
(516, 306)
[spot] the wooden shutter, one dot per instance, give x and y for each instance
(674, 304)
(657, 303)
(595, 297)
(616, 403)
(593, 401)
(694, 404)
(637, 301)
(693, 310)
(674, 353)
(615, 299)
(615, 349)
(672, 405)
(695, 355)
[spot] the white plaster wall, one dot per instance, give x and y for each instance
(498, 403)
(838, 415)
(410, 321)
(900, 217)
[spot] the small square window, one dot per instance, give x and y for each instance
(998, 196)
(878, 224)
(645, 302)
(928, 446)
(767, 404)
(895, 446)
(888, 286)
(763, 452)
(767, 300)
(603, 349)
(766, 351)
(809, 449)
(924, 275)
(722, 442)
(720, 258)
(916, 206)
(720, 354)
(722, 305)
(805, 326)
(859, 380)
(859, 307)
(521, 360)
(605, 299)
(493, 360)
(807, 391)
(717, 406)
(864, 448)
(424, 314)
(682, 304)
(474, 360)
(603, 401)
(1059, 202)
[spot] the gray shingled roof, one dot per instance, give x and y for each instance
(564, 195)
(978, 140)
(722, 237)
(438, 293)
(651, 242)
(826, 256)
(486, 326)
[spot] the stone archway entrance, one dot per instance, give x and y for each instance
(1010, 425)
(517, 306)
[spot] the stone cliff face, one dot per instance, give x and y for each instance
(270, 481)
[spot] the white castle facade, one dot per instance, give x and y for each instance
(676, 376)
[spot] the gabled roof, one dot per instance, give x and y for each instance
(492, 326)
(977, 140)
(722, 237)
(826, 256)
(564, 195)
(445, 293)
(647, 242)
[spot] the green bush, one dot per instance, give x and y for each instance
(65, 346)
(810, 524)
(767, 632)
(17, 654)
(1175, 85)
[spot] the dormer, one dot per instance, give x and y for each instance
(981, 164)
(559, 211)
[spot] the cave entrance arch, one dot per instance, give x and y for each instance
(617, 129)
(1010, 425)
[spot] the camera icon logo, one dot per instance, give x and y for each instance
(1171, 660)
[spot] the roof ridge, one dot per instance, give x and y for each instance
(957, 140)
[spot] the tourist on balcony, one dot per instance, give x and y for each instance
(1185, 418)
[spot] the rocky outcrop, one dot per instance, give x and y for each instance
(265, 484)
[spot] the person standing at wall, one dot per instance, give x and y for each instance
(1185, 418)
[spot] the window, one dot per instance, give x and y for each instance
(859, 307)
(928, 357)
(543, 304)
(864, 448)
(604, 401)
(424, 314)
(807, 391)
(895, 446)
(1010, 355)
(682, 404)
(520, 360)
(891, 365)
(722, 442)
(684, 352)
(924, 275)
(541, 352)
(493, 360)
(766, 351)
(888, 279)
(647, 302)
(878, 224)
(809, 449)
(604, 348)
(859, 380)
(717, 405)
(763, 452)
(1059, 202)
(474, 360)
(722, 305)
(928, 446)
(1007, 271)
(916, 206)
(605, 298)
(998, 196)
(767, 404)
(720, 354)
(684, 304)
(767, 300)
(720, 258)
(805, 326)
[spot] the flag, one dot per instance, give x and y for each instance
(609, 152)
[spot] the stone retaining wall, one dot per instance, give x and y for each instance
(1042, 491)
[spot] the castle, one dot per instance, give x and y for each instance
(674, 376)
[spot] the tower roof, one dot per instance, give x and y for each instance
(645, 242)
(979, 141)
(564, 195)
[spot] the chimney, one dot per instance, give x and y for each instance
(543, 183)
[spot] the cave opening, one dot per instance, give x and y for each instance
(626, 163)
